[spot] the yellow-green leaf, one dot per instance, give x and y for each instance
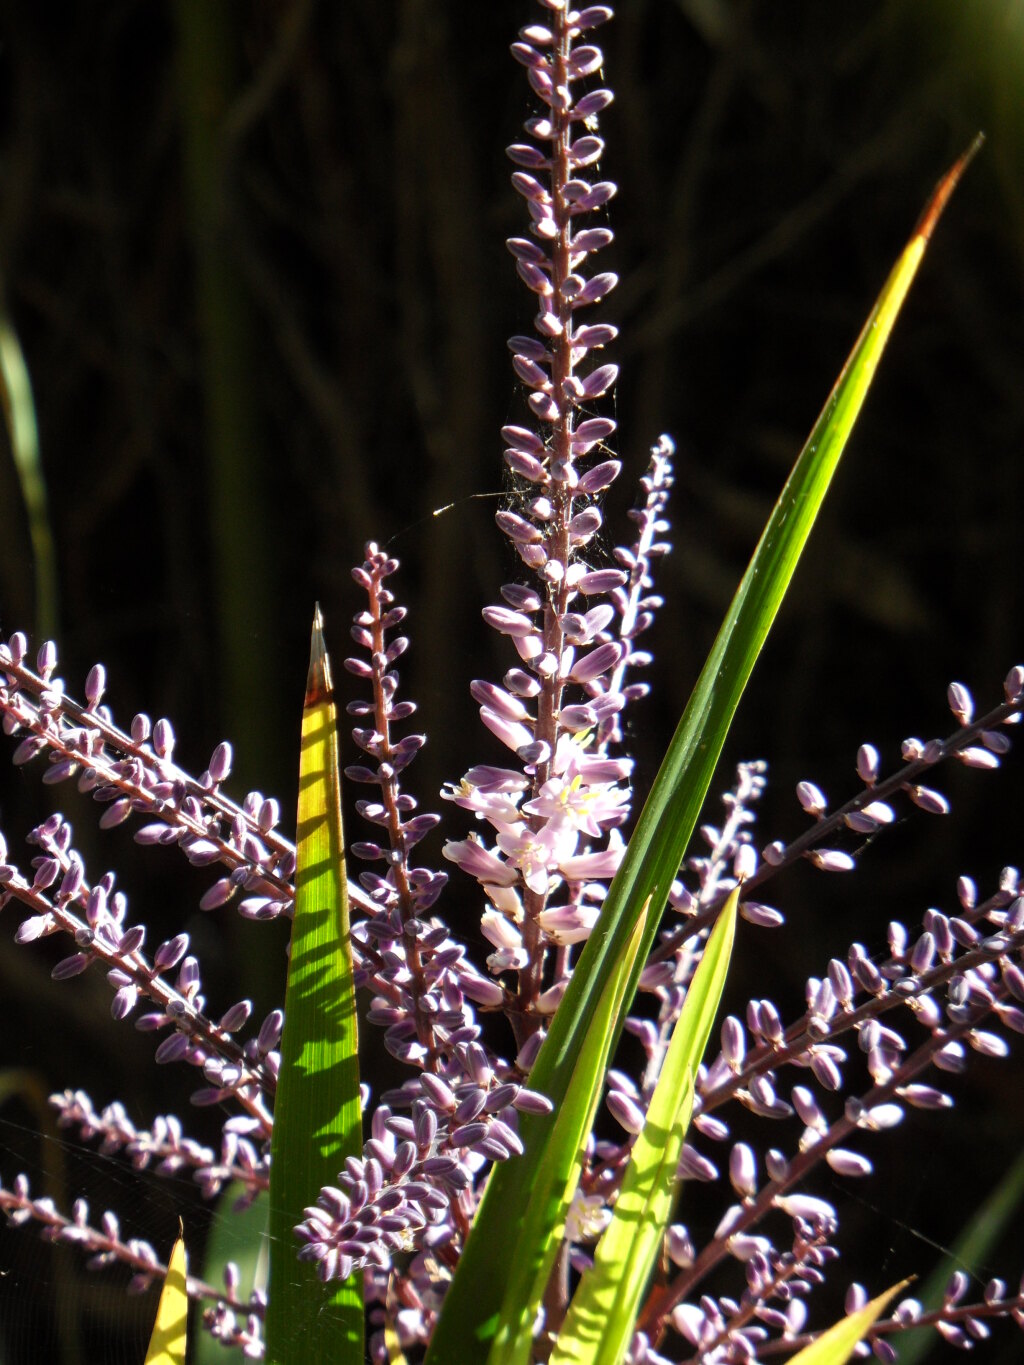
(239, 1237)
(539, 1231)
(168, 1343)
(835, 1346)
(317, 1118)
(603, 1313)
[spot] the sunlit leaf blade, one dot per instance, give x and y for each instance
(538, 1232)
(532, 1237)
(602, 1317)
(168, 1343)
(19, 412)
(317, 1120)
(972, 1247)
(835, 1346)
(242, 1239)
(471, 1313)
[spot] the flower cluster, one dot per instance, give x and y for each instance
(548, 813)
(555, 817)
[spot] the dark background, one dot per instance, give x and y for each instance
(254, 256)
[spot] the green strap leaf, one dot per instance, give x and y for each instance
(317, 1118)
(835, 1346)
(602, 1316)
(473, 1311)
(971, 1248)
(538, 1234)
(239, 1237)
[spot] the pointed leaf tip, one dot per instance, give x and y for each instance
(167, 1345)
(943, 190)
(836, 1346)
(317, 1120)
(319, 687)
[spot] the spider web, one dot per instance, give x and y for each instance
(54, 1309)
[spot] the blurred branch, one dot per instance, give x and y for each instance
(20, 417)
(238, 525)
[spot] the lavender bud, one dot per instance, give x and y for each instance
(32, 928)
(976, 757)
(825, 1070)
(598, 382)
(842, 985)
(270, 1032)
(141, 728)
(507, 622)
(807, 1109)
(925, 1097)
(868, 762)
(116, 813)
(995, 1291)
(845, 1162)
(764, 916)
(132, 940)
(625, 1111)
(733, 1042)
(771, 1022)
(600, 581)
(527, 1054)
(966, 892)
(170, 953)
(776, 1165)
(743, 1171)
(988, 1044)
(774, 853)
(928, 800)
(46, 658)
(172, 1049)
(163, 739)
(680, 1248)
(596, 662)
(996, 741)
(694, 1166)
(599, 477)
(831, 860)
(70, 966)
(923, 955)
(46, 873)
(218, 894)
(961, 702)
(124, 1002)
(856, 1299)
(956, 1288)
(590, 433)
(235, 1017)
(95, 683)
(532, 1102)
(744, 862)
(220, 762)
(811, 798)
